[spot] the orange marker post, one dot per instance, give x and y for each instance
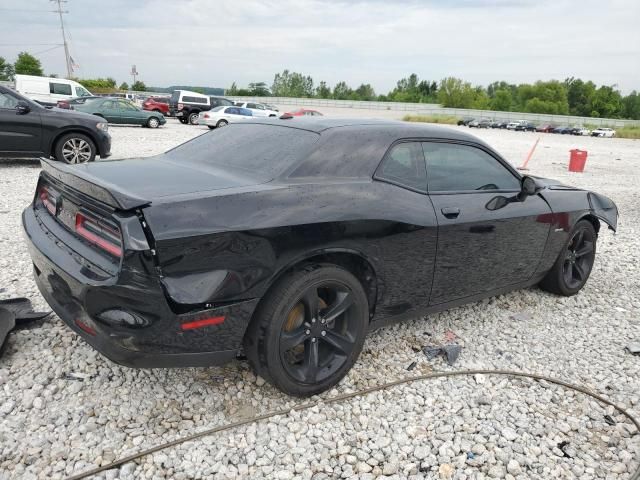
(526, 162)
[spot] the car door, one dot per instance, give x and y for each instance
(20, 133)
(408, 249)
(110, 111)
(130, 114)
(489, 236)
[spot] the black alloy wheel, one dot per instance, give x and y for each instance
(308, 330)
(573, 266)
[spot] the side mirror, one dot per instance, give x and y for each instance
(529, 186)
(22, 108)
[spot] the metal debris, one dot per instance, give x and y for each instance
(23, 310)
(412, 366)
(609, 420)
(634, 348)
(7, 323)
(451, 351)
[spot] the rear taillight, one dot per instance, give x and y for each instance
(49, 199)
(101, 235)
(206, 115)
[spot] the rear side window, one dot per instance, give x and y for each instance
(263, 150)
(231, 110)
(188, 99)
(60, 88)
(404, 165)
(456, 168)
(245, 111)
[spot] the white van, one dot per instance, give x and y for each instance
(48, 90)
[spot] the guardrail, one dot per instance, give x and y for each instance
(435, 109)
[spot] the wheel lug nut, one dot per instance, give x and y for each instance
(323, 333)
(307, 332)
(313, 320)
(322, 321)
(313, 340)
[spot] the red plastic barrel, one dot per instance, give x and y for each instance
(577, 160)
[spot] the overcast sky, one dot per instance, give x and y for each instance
(215, 42)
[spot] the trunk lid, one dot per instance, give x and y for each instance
(136, 183)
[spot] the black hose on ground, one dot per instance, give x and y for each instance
(347, 396)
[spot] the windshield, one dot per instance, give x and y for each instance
(267, 150)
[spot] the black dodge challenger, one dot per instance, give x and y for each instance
(290, 239)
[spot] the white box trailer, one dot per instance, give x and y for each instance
(48, 90)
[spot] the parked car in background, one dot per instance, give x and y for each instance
(482, 123)
(220, 102)
(223, 116)
(49, 90)
(512, 125)
(582, 131)
(465, 121)
(545, 128)
(157, 104)
(69, 104)
(187, 105)
(302, 112)
(562, 130)
(271, 107)
(258, 109)
(603, 132)
(525, 127)
(29, 130)
(122, 112)
(260, 238)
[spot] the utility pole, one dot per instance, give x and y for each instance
(59, 11)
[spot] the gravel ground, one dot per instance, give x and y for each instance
(64, 408)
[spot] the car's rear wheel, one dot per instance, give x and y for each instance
(573, 266)
(222, 123)
(309, 330)
(75, 148)
(193, 118)
(182, 120)
(153, 122)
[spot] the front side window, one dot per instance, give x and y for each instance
(251, 105)
(245, 112)
(108, 105)
(458, 168)
(404, 165)
(7, 101)
(81, 92)
(60, 88)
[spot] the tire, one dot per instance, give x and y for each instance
(222, 123)
(285, 314)
(153, 122)
(75, 148)
(573, 266)
(182, 120)
(210, 127)
(193, 118)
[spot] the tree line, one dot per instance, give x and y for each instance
(27, 64)
(572, 96)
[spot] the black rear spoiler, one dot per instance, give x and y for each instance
(78, 178)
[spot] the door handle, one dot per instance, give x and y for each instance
(451, 212)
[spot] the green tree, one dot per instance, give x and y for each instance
(27, 64)
(631, 106)
(102, 85)
(580, 95)
(456, 93)
(502, 100)
(232, 90)
(606, 102)
(364, 92)
(258, 89)
(292, 84)
(139, 86)
(342, 91)
(123, 86)
(323, 90)
(6, 70)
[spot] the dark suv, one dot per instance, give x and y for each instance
(187, 105)
(29, 130)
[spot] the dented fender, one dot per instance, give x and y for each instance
(604, 208)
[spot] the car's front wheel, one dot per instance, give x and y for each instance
(573, 266)
(153, 122)
(75, 148)
(309, 330)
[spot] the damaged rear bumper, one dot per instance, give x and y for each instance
(127, 317)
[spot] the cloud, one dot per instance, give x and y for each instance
(372, 41)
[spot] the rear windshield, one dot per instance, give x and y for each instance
(268, 150)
